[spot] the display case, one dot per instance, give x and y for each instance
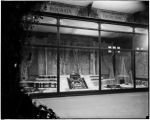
(73, 55)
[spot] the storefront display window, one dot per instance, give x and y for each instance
(64, 55)
(74, 61)
(141, 67)
(39, 64)
(116, 67)
(141, 57)
(81, 63)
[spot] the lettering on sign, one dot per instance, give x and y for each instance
(112, 16)
(62, 10)
(75, 10)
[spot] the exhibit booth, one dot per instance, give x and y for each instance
(73, 51)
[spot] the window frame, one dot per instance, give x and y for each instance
(58, 46)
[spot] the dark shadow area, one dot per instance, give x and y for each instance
(15, 104)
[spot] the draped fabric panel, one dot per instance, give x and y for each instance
(81, 61)
(107, 65)
(41, 61)
(141, 62)
(124, 60)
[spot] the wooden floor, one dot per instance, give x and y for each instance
(122, 105)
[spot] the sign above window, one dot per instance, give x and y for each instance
(55, 7)
(68, 10)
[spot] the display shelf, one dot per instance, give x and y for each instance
(64, 86)
(41, 84)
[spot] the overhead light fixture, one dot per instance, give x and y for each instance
(114, 47)
(118, 47)
(109, 47)
(109, 51)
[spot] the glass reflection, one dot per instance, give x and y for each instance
(78, 37)
(116, 27)
(64, 30)
(77, 23)
(141, 30)
(140, 42)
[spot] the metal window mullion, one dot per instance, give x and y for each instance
(148, 56)
(58, 56)
(114, 62)
(133, 60)
(99, 40)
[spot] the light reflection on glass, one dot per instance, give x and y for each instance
(78, 23)
(116, 27)
(141, 30)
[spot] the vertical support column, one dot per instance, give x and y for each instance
(114, 61)
(133, 60)
(58, 55)
(148, 55)
(99, 40)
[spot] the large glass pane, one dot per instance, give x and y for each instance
(116, 72)
(141, 69)
(113, 40)
(39, 62)
(39, 70)
(42, 35)
(77, 23)
(79, 70)
(123, 69)
(107, 70)
(140, 41)
(140, 44)
(79, 37)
